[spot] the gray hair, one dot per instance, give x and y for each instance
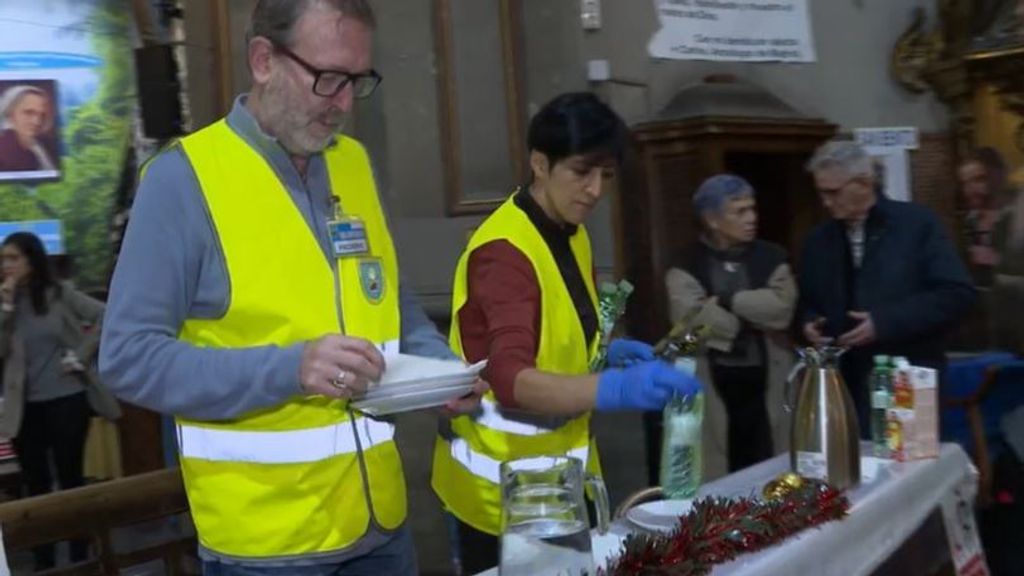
(843, 154)
(715, 192)
(275, 19)
(14, 95)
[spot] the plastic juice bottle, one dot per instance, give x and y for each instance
(903, 392)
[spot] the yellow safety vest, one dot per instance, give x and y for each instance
(286, 480)
(467, 463)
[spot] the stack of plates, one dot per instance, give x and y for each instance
(413, 383)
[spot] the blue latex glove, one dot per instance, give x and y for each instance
(644, 386)
(625, 352)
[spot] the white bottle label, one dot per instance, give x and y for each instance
(686, 365)
(812, 465)
(880, 399)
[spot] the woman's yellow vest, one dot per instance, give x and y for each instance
(306, 476)
(468, 457)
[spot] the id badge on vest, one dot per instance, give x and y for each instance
(348, 237)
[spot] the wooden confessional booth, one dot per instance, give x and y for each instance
(720, 124)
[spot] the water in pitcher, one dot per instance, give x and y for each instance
(556, 544)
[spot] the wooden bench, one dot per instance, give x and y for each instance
(94, 513)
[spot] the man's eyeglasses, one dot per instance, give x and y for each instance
(837, 189)
(327, 83)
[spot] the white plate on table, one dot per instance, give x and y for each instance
(660, 515)
(413, 383)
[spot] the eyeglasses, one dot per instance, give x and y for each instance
(837, 189)
(327, 83)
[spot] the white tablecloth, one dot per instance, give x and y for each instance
(886, 509)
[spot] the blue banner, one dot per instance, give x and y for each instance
(49, 231)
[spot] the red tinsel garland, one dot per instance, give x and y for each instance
(717, 530)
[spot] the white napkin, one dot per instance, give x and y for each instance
(405, 368)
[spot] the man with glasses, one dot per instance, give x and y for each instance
(881, 277)
(256, 292)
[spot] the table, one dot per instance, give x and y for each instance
(886, 509)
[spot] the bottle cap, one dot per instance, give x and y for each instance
(881, 359)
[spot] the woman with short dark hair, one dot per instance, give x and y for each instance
(524, 299)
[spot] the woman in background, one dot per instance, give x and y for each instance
(1008, 287)
(746, 295)
(45, 410)
(983, 186)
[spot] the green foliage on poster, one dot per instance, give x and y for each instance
(96, 136)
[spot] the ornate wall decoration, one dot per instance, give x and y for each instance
(974, 43)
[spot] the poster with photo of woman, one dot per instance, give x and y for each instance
(29, 130)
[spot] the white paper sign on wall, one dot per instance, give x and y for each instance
(890, 147)
(736, 30)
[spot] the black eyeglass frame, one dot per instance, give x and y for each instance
(346, 77)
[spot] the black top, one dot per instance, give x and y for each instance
(723, 273)
(557, 237)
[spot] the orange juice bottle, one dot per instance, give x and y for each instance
(894, 435)
(902, 389)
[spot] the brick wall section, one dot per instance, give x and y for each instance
(933, 166)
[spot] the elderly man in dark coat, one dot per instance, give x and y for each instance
(880, 277)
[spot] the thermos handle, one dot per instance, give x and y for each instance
(600, 496)
(789, 402)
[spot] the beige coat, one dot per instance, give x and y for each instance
(770, 310)
(76, 309)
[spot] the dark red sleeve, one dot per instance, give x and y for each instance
(501, 316)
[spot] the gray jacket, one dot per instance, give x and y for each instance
(77, 310)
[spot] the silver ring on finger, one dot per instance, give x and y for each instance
(339, 381)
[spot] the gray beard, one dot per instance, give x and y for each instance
(288, 127)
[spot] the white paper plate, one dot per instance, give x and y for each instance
(408, 370)
(660, 515)
(412, 386)
(415, 399)
(413, 383)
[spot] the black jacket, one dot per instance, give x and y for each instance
(911, 280)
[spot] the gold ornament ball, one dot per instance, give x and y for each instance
(774, 490)
(782, 486)
(792, 480)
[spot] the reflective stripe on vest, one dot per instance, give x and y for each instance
(487, 468)
(465, 468)
(490, 416)
(288, 480)
(281, 447)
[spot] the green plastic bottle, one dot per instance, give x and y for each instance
(881, 400)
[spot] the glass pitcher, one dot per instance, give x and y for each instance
(825, 439)
(545, 527)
